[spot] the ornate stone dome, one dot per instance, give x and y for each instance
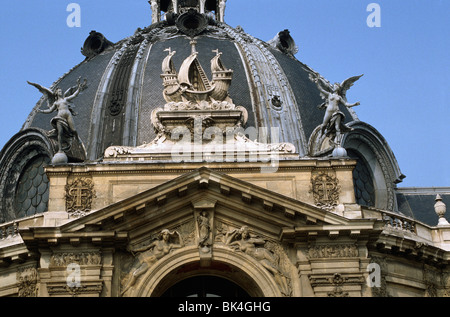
(127, 81)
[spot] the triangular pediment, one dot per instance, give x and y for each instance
(230, 201)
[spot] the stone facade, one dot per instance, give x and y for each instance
(263, 232)
(306, 209)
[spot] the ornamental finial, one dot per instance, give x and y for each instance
(440, 209)
(162, 10)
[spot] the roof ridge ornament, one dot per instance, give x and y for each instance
(440, 209)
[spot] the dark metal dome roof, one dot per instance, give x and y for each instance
(124, 83)
(126, 86)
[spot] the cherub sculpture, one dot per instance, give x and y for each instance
(63, 122)
(165, 243)
(333, 123)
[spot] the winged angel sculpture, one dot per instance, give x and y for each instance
(333, 123)
(165, 242)
(63, 122)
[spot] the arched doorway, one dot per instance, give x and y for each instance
(233, 271)
(206, 286)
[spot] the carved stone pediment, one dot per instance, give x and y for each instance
(185, 194)
(183, 199)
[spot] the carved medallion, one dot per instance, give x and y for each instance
(79, 195)
(325, 189)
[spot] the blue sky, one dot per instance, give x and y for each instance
(404, 93)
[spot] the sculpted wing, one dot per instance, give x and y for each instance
(347, 84)
(46, 92)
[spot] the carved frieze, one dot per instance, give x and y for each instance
(333, 251)
(325, 189)
(79, 196)
(81, 258)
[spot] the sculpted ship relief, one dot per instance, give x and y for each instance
(190, 88)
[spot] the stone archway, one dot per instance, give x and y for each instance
(236, 267)
(204, 286)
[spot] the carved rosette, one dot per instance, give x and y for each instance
(79, 196)
(325, 189)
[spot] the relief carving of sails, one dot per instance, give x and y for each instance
(191, 84)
